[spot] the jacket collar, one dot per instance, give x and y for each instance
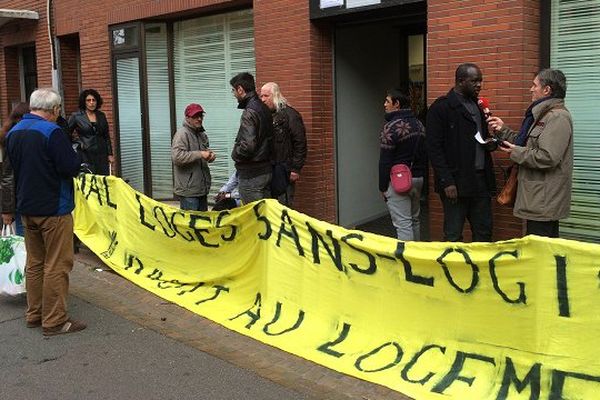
(453, 99)
(33, 116)
(403, 113)
(84, 112)
(545, 105)
(455, 102)
(190, 128)
(86, 119)
(244, 102)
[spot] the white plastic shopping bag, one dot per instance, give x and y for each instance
(12, 262)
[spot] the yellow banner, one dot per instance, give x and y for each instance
(518, 319)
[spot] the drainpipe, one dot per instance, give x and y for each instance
(54, 52)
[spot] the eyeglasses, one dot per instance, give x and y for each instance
(198, 116)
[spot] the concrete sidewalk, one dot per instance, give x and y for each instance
(112, 292)
(115, 359)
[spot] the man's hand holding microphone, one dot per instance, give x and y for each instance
(494, 124)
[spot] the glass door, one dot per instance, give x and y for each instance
(28, 70)
(159, 110)
(129, 109)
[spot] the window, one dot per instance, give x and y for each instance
(153, 90)
(130, 124)
(209, 51)
(159, 115)
(575, 50)
(28, 63)
(125, 37)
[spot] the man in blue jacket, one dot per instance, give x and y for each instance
(44, 165)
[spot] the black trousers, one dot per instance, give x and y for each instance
(542, 228)
(476, 209)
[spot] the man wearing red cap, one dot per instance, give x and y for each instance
(191, 153)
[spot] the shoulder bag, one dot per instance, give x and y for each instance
(401, 175)
(508, 194)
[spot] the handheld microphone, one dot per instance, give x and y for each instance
(484, 104)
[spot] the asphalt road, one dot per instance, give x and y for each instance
(115, 359)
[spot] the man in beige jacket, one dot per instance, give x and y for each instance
(543, 151)
(191, 153)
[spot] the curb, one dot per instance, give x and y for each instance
(92, 281)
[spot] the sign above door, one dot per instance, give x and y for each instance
(331, 8)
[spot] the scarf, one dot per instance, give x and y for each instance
(527, 122)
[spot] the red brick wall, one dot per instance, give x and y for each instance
(503, 39)
(17, 33)
(297, 54)
(11, 90)
(69, 48)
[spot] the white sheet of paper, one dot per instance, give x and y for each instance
(361, 3)
(331, 3)
(479, 138)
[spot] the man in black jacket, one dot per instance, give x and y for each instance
(462, 164)
(252, 148)
(289, 142)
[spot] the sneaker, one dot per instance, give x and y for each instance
(70, 326)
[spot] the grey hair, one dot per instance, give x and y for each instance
(278, 99)
(45, 99)
(556, 80)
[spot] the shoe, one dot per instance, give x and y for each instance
(70, 326)
(34, 324)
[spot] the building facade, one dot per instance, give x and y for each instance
(334, 60)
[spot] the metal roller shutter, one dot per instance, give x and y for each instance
(575, 50)
(209, 51)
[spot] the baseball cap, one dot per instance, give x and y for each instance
(193, 109)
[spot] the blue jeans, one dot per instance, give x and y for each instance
(193, 203)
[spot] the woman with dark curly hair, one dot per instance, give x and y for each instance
(7, 182)
(88, 127)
